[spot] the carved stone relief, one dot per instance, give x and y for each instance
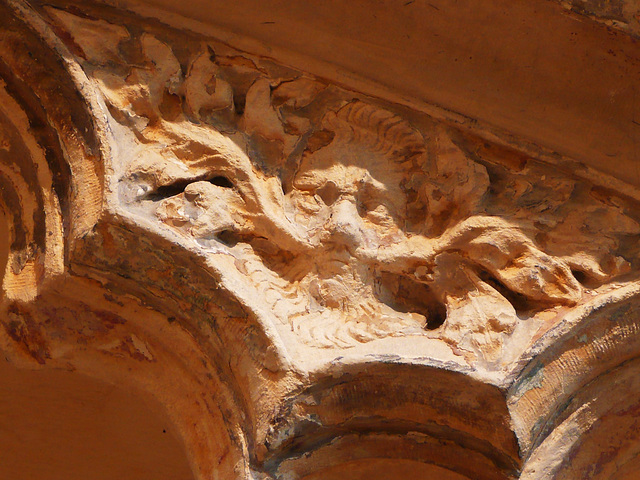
(318, 196)
(353, 230)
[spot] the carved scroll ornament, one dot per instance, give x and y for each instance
(350, 221)
(304, 242)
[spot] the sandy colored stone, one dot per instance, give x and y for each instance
(307, 280)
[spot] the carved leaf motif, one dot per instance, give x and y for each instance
(508, 254)
(262, 122)
(99, 39)
(455, 185)
(478, 316)
(353, 222)
(204, 88)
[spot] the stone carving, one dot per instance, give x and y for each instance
(313, 282)
(352, 222)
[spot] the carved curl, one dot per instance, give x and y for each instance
(324, 198)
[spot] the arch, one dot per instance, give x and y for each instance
(90, 287)
(404, 416)
(597, 434)
(63, 425)
(583, 350)
(52, 158)
(59, 309)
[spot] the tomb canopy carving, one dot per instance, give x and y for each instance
(294, 231)
(319, 196)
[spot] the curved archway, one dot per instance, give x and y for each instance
(96, 328)
(402, 417)
(63, 425)
(574, 405)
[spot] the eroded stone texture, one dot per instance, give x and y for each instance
(308, 278)
(619, 14)
(348, 221)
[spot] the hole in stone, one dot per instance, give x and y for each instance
(212, 54)
(239, 101)
(585, 279)
(329, 193)
(520, 303)
(221, 181)
(228, 237)
(171, 190)
(437, 315)
(579, 276)
(178, 187)
(408, 296)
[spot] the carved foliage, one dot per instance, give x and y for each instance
(352, 222)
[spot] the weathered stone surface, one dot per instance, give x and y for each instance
(68, 425)
(545, 80)
(312, 281)
(619, 14)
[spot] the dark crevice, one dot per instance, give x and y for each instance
(520, 303)
(229, 238)
(585, 279)
(408, 296)
(437, 315)
(166, 191)
(212, 54)
(262, 246)
(221, 181)
(239, 101)
(179, 186)
(10, 199)
(579, 276)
